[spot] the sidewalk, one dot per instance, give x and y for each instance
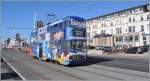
(118, 55)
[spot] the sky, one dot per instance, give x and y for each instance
(19, 14)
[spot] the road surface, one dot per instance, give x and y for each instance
(124, 63)
(7, 73)
(94, 69)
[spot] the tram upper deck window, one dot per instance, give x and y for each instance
(79, 32)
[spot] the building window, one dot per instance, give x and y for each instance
(147, 17)
(133, 19)
(145, 43)
(102, 24)
(90, 41)
(131, 28)
(142, 27)
(144, 38)
(111, 31)
(88, 34)
(126, 39)
(119, 38)
(89, 27)
(129, 19)
(95, 26)
(136, 38)
(118, 31)
(94, 33)
(141, 9)
(130, 11)
(103, 31)
(142, 19)
(148, 26)
(111, 24)
(131, 38)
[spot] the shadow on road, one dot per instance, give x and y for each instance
(6, 76)
(90, 61)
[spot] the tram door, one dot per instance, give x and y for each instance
(40, 50)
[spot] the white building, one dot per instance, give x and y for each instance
(128, 27)
(13, 43)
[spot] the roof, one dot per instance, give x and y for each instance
(118, 11)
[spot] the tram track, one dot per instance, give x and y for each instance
(64, 72)
(31, 70)
(8, 71)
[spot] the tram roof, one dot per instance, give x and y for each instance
(66, 18)
(75, 17)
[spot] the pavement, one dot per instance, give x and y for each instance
(32, 69)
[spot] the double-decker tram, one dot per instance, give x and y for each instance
(63, 41)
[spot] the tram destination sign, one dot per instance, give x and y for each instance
(78, 32)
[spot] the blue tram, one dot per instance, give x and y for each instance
(63, 41)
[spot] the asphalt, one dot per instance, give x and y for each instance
(96, 68)
(7, 73)
(123, 63)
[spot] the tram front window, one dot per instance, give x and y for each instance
(77, 45)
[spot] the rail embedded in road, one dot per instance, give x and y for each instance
(8, 72)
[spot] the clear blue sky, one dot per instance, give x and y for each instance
(20, 14)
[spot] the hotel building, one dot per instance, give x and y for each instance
(130, 27)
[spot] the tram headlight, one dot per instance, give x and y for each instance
(67, 57)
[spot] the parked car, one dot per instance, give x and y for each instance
(135, 50)
(91, 47)
(118, 47)
(146, 48)
(107, 49)
(104, 48)
(98, 47)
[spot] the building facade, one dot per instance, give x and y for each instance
(128, 27)
(13, 43)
